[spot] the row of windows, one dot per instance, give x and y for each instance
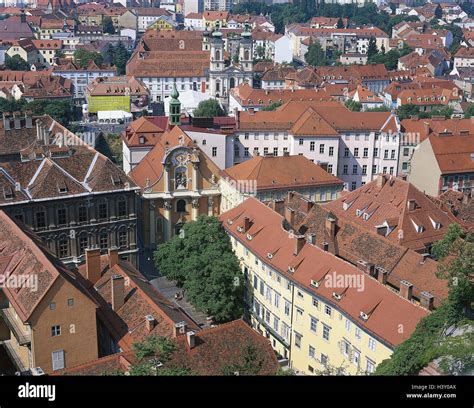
(266, 136)
(82, 213)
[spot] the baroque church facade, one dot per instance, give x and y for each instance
(223, 77)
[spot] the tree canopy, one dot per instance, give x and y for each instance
(82, 57)
(455, 254)
(315, 55)
(16, 63)
(209, 108)
(202, 262)
(118, 56)
(108, 25)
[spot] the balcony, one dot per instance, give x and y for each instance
(15, 358)
(16, 327)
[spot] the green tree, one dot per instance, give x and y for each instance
(119, 57)
(83, 57)
(469, 111)
(200, 260)
(438, 13)
(315, 55)
(108, 25)
(273, 106)
(58, 110)
(455, 255)
(16, 63)
(372, 48)
(209, 108)
(353, 105)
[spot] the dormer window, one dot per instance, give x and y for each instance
(8, 193)
(249, 237)
(291, 269)
(269, 255)
(336, 296)
(364, 316)
(142, 140)
(366, 216)
(314, 283)
(436, 224)
(62, 188)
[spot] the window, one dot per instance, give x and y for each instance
(331, 150)
(55, 331)
(70, 302)
(123, 238)
(391, 170)
(40, 219)
(298, 340)
(265, 136)
(311, 146)
(52, 306)
(82, 213)
(372, 344)
(103, 240)
(83, 244)
(246, 152)
(364, 169)
(353, 185)
(356, 152)
(345, 169)
(287, 308)
(324, 360)
(366, 152)
(329, 168)
(204, 142)
(58, 360)
(346, 152)
(354, 169)
(384, 170)
(370, 367)
(285, 331)
(262, 288)
(102, 210)
(374, 169)
(275, 151)
(346, 348)
(300, 294)
(316, 303)
(214, 151)
(276, 322)
(246, 136)
(63, 247)
(406, 151)
(311, 352)
(277, 300)
(355, 357)
(268, 294)
(321, 148)
(62, 216)
(181, 206)
(385, 154)
(358, 333)
(301, 142)
(326, 332)
(328, 310)
(267, 316)
(313, 324)
(121, 208)
(376, 152)
(348, 325)
(255, 282)
(392, 154)
(265, 151)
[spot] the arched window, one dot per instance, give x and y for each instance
(83, 243)
(122, 207)
(180, 178)
(218, 55)
(246, 55)
(181, 206)
(122, 238)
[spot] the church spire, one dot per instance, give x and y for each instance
(175, 107)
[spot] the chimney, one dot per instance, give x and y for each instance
(191, 337)
(150, 323)
(6, 121)
(22, 16)
(28, 120)
(331, 226)
(381, 180)
(246, 224)
(179, 329)
(113, 257)
(406, 289)
(118, 291)
(325, 246)
(17, 120)
(411, 205)
(382, 276)
(370, 269)
(93, 271)
(426, 300)
(299, 244)
(290, 215)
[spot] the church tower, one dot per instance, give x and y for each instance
(175, 108)
(246, 50)
(217, 62)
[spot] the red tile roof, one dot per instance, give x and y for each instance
(390, 310)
